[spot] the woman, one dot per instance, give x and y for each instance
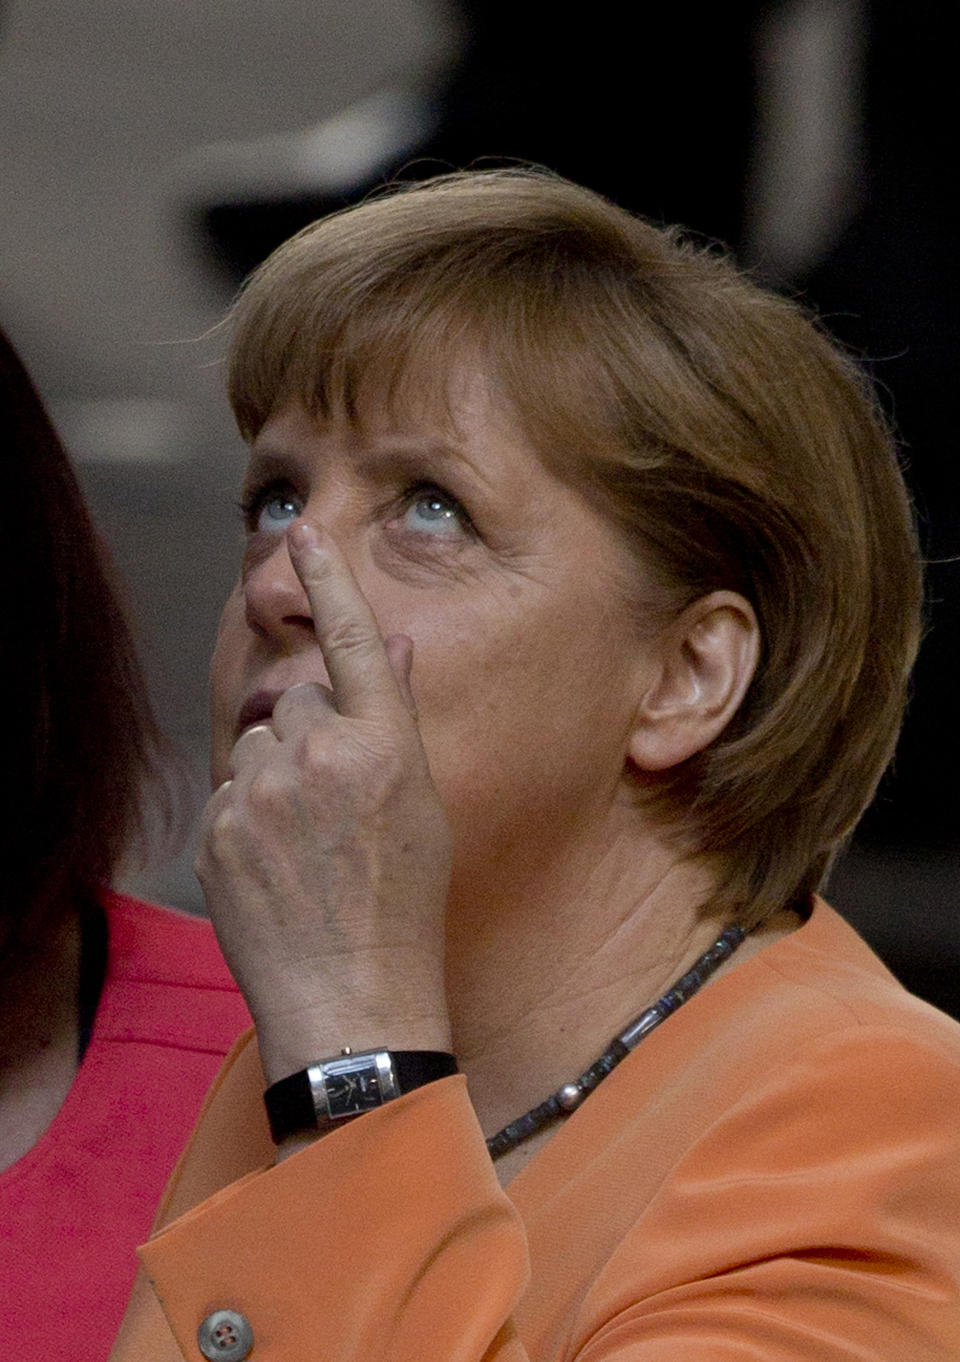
(113, 1013)
(571, 638)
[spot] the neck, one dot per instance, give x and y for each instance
(542, 978)
(38, 1036)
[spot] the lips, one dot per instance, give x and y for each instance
(257, 708)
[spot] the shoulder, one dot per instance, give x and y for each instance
(167, 983)
(818, 1103)
(163, 944)
(856, 1061)
(826, 987)
(788, 1136)
(817, 1028)
(803, 1095)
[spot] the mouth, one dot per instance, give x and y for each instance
(257, 709)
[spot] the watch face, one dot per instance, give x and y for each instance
(353, 1085)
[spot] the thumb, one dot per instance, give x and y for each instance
(399, 648)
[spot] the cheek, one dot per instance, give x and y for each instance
(228, 647)
(520, 705)
(225, 679)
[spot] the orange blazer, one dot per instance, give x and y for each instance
(772, 1176)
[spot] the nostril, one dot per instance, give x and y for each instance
(274, 598)
(299, 622)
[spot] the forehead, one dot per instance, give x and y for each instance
(424, 367)
(464, 413)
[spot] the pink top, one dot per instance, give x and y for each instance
(74, 1207)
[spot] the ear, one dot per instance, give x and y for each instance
(704, 662)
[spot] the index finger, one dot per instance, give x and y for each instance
(361, 677)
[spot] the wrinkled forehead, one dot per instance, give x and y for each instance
(331, 358)
(434, 382)
(419, 393)
(463, 409)
(416, 358)
(450, 385)
(405, 361)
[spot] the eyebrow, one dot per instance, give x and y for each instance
(408, 453)
(265, 464)
(276, 460)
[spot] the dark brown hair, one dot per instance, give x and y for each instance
(79, 737)
(715, 422)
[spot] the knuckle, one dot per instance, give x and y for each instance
(218, 836)
(315, 755)
(350, 636)
(371, 766)
(305, 695)
(267, 792)
(392, 767)
(385, 772)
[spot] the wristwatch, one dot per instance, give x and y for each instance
(348, 1085)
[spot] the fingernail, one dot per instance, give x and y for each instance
(303, 536)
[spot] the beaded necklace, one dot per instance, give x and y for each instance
(568, 1097)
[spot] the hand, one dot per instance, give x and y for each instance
(325, 858)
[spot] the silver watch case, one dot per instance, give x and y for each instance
(349, 1085)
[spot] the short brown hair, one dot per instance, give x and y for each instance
(715, 422)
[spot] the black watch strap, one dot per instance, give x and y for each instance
(414, 1068)
(348, 1085)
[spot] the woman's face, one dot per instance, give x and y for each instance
(527, 660)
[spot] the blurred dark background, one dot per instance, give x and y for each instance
(816, 138)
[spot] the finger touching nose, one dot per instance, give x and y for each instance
(276, 602)
(365, 679)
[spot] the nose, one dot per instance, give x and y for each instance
(276, 604)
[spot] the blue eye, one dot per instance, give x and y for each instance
(278, 510)
(271, 510)
(432, 511)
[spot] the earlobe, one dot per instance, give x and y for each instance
(706, 659)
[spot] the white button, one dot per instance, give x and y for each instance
(225, 1336)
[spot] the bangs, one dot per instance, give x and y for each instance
(387, 302)
(346, 358)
